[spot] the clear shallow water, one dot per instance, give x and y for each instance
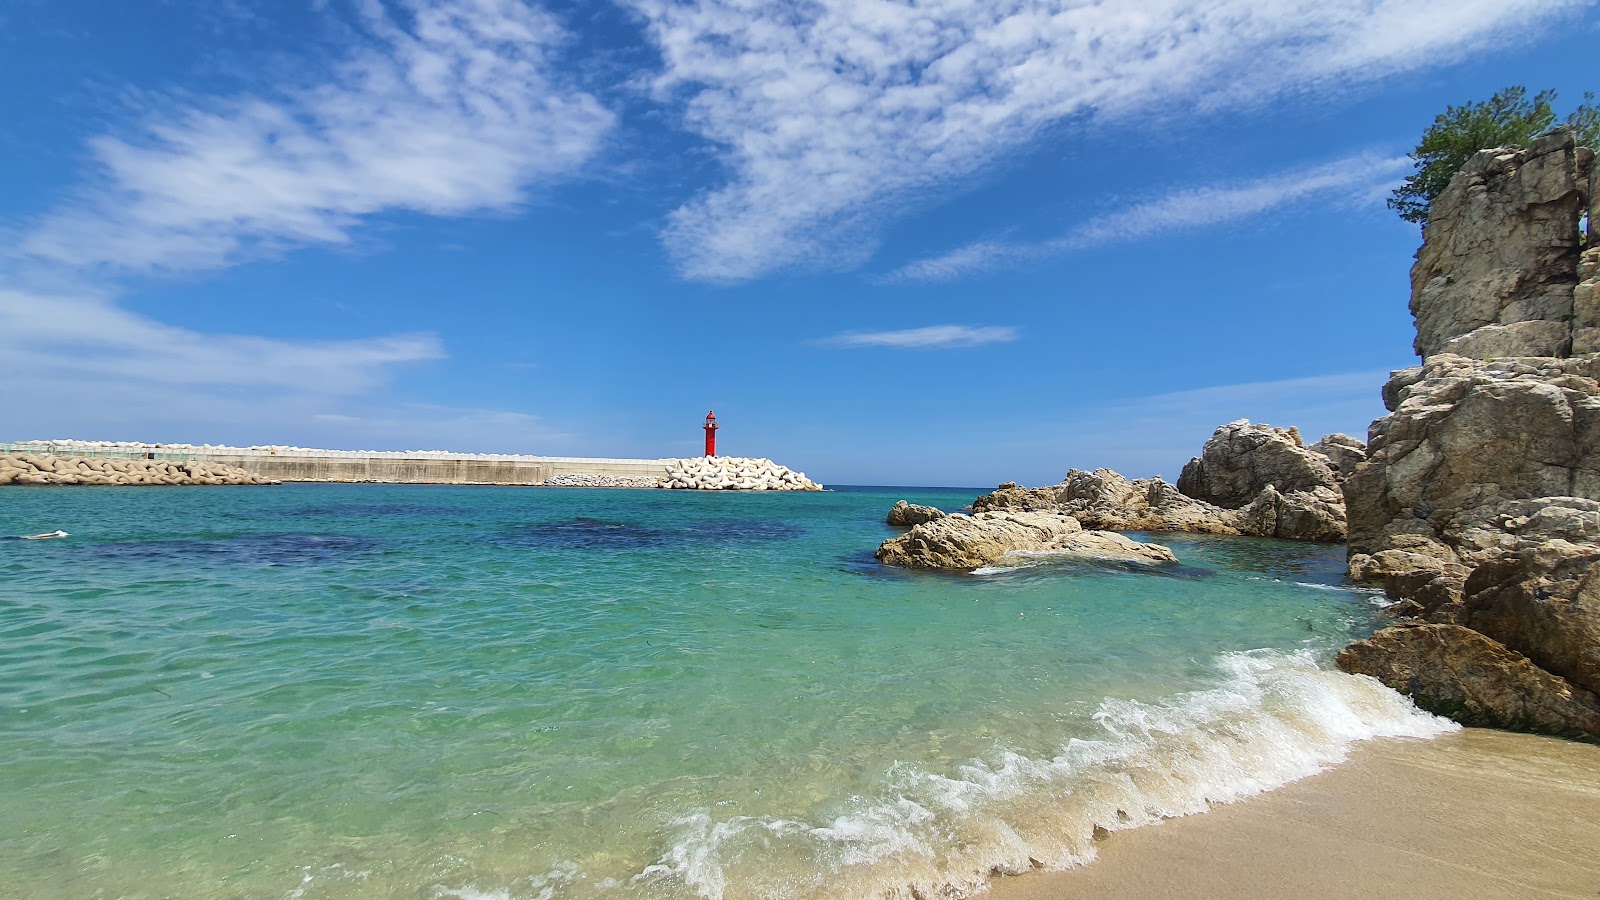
(386, 691)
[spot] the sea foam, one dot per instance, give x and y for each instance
(1273, 718)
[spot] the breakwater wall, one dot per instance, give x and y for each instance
(381, 466)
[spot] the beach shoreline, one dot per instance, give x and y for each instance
(1477, 813)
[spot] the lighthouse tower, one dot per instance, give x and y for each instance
(711, 433)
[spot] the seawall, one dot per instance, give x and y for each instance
(391, 467)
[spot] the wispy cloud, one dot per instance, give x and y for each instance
(51, 336)
(460, 111)
(829, 115)
(1364, 176)
(932, 337)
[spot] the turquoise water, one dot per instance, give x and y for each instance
(387, 691)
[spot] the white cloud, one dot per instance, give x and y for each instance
(47, 338)
(828, 114)
(932, 337)
(1365, 176)
(75, 365)
(458, 113)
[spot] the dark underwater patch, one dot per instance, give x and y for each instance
(586, 533)
(372, 511)
(285, 549)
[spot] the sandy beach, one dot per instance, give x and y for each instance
(1475, 814)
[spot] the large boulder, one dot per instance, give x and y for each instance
(987, 538)
(1457, 672)
(1241, 460)
(1545, 604)
(1478, 459)
(905, 515)
(1496, 272)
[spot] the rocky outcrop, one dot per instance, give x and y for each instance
(1240, 460)
(1457, 672)
(1478, 505)
(1105, 500)
(41, 469)
(905, 515)
(988, 538)
(733, 473)
(1479, 459)
(1342, 452)
(1496, 273)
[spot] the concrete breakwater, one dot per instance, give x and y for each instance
(301, 464)
(20, 468)
(732, 473)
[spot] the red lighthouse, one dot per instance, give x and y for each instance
(711, 433)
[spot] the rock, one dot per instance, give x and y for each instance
(1342, 452)
(905, 515)
(1497, 268)
(1586, 296)
(1240, 460)
(1103, 499)
(1479, 458)
(1314, 515)
(986, 538)
(1454, 671)
(1545, 604)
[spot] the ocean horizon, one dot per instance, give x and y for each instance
(329, 691)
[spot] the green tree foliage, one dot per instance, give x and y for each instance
(1508, 117)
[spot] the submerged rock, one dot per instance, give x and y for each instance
(986, 538)
(905, 515)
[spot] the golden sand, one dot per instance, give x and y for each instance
(1475, 814)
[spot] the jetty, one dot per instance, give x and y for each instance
(50, 462)
(281, 463)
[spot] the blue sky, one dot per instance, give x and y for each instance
(948, 243)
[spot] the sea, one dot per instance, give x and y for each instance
(338, 691)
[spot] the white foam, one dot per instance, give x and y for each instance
(1272, 718)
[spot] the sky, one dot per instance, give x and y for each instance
(937, 243)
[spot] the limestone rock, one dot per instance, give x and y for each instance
(1496, 271)
(987, 538)
(1545, 604)
(1455, 671)
(1342, 452)
(905, 515)
(1241, 459)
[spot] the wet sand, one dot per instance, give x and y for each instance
(1474, 814)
